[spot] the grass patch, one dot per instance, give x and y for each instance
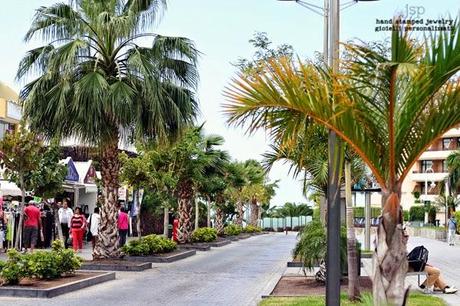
(415, 299)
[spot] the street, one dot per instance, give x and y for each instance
(236, 274)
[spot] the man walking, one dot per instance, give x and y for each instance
(65, 215)
(32, 224)
(452, 228)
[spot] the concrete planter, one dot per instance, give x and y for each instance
(113, 266)
(164, 258)
(218, 244)
(27, 292)
(196, 246)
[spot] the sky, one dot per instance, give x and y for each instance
(221, 30)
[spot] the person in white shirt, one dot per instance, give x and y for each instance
(65, 215)
(93, 224)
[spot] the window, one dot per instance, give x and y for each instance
(427, 164)
(446, 142)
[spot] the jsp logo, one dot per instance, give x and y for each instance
(414, 12)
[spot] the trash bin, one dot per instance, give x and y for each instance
(170, 230)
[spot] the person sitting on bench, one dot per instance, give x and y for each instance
(434, 281)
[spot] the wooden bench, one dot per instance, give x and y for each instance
(416, 273)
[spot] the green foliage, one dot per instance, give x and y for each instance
(14, 269)
(457, 217)
(359, 212)
(311, 247)
(232, 230)
(204, 234)
(40, 264)
(252, 229)
(417, 213)
(406, 215)
(316, 213)
(149, 245)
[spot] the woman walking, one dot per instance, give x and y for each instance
(93, 226)
(77, 227)
(123, 224)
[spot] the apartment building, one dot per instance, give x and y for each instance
(429, 173)
(10, 110)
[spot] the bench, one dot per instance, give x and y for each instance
(416, 273)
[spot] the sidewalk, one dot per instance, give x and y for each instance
(442, 256)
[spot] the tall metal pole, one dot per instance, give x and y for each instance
(333, 194)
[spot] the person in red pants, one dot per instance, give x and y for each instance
(77, 228)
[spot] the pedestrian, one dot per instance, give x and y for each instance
(93, 226)
(65, 215)
(452, 227)
(77, 228)
(32, 224)
(123, 225)
(434, 282)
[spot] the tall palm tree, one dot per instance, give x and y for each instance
(93, 81)
(453, 166)
(388, 107)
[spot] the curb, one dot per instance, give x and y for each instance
(139, 267)
(163, 259)
(58, 290)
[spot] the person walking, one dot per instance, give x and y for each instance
(452, 229)
(93, 226)
(123, 224)
(65, 215)
(77, 228)
(32, 224)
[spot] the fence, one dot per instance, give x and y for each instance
(285, 222)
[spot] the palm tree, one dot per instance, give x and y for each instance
(94, 82)
(388, 107)
(453, 165)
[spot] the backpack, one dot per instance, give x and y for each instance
(417, 258)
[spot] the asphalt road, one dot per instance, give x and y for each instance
(236, 274)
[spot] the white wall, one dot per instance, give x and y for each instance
(87, 199)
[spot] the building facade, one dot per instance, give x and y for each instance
(10, 109)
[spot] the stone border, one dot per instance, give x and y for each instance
(218, 244)
(232, 238)
(163, 259)
(16, 291)
(95, 266)
(196, 246)
(294, 264)
(244, 236)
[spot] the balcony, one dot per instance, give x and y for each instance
(452, 133)
(435, 155)
(430, 177)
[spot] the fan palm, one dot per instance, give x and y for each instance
(94, 82)
(388, 107)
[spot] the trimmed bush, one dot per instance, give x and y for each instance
(406, 215)
(232, 230)
(204, 234)
(457, 217)
(40, 264)
(358, 212)
(252, 229)
(149, 245)
(417, 213)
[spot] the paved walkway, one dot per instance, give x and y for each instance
(441, 255)
(236, 274)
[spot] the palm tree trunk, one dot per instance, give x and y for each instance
(353, 280)
(389, 260)
(219, 221)
(185, 229)
(254, 212)
(18, 242)
(57, 223)
(239, 218)
(197, 213)
(208, 217)
(107, 246)
(165, 221)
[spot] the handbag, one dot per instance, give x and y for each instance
(69, 240)
(89, 235)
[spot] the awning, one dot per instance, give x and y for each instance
(10, 189)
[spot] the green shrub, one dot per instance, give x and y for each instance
(232, 230)
(417, 213)
(14, 269)
(311, 247)
(252, 229)
(457, 217)
(43, 264)
(406, 215)
(149, 245)
(358, 212)
(204, 234)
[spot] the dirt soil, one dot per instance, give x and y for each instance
(302, 286)
(46, 284)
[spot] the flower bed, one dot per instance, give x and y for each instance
(149, 245)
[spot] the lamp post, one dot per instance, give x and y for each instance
(331, 14)
(432, 185)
